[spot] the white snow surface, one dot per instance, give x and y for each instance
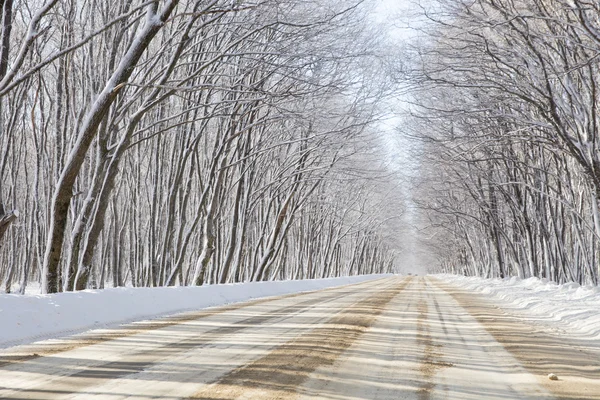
(28, 318)
(569, 307)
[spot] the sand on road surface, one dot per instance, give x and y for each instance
(395, 338)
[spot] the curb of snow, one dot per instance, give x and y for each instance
(28, 318)
(562, 307)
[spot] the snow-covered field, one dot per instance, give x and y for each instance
(568, 307)
(28, 318)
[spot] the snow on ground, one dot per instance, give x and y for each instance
(568, 307)
(28, 318)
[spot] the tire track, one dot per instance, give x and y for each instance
(119, 369)
(432, 360)
(278, 374)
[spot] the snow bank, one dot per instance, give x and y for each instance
(568, 307)
(24, 319)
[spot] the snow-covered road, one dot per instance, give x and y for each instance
(392, 338)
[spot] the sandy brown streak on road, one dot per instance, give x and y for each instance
(431, 362)
(278, 374)
(540, 351)
(426, 368)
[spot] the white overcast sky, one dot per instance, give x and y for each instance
(396, 17)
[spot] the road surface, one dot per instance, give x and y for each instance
(395, 338)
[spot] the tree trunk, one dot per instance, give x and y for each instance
(63, 191)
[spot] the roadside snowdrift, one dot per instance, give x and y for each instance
(568, 307)
(28, 318)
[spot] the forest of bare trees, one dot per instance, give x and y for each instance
(184, 142)
(506, 107)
